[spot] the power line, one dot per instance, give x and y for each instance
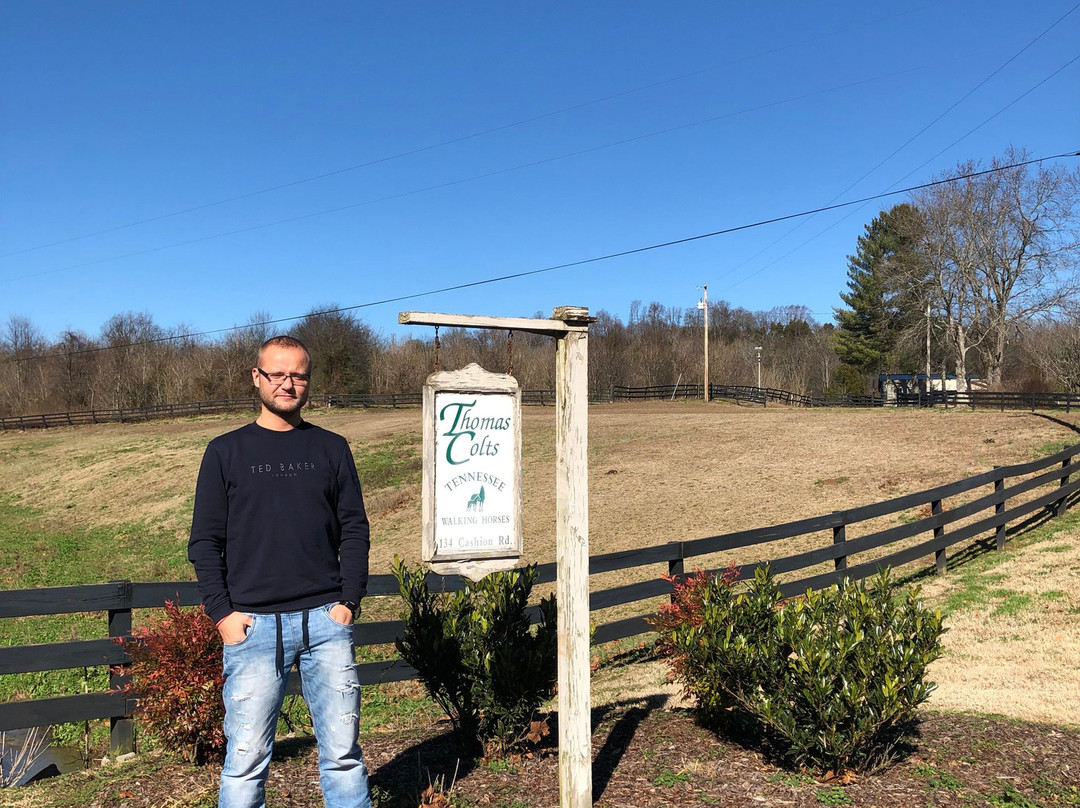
(474, 178)
(922, 165)
(907, 143)
(570, 264)
(456, 140)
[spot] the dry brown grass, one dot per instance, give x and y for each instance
(1016, 650)
(658, 472)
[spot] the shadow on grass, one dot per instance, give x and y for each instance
(440, 762)
(1058, 421)
(433, 761)
(987, 546)
(622, 732)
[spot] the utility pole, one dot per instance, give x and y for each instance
(703, 304)
(758, 349)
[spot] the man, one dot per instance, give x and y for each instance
(279, 541)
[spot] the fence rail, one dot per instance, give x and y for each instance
(975, 399)
(1014, 494)
(134, 414)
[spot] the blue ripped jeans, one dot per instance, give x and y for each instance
(256, 673)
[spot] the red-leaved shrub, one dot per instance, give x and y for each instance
(176, 674)
(686, 606)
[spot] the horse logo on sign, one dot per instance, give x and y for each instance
(476, 501)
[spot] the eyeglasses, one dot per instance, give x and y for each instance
(278, 379)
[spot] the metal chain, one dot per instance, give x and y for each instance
(510, 352)
(436, 364)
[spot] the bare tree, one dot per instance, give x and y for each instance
(341, 347)
(234, 356)
(1053, 346)
(73, 363)
(20, 341)
(1000, 249)
(130, 370)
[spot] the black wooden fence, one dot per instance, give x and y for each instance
(1019, 494)
(134, 414)
(733, 392)
(762, 396)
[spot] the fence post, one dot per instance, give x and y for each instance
(675, 567)
(1059, 506)
(122, 729)
(939, 533)
(839, 536)
(999, 509)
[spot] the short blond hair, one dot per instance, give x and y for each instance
(283, 341)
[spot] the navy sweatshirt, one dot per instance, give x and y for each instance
(279, 522)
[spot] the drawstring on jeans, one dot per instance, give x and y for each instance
(280, 658)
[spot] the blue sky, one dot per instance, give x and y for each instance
(417, 146)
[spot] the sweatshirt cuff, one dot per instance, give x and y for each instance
(219, 613)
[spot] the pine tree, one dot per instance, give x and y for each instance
(869, 332)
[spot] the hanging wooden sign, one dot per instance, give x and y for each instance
(472, 472)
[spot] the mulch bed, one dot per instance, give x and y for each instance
(646, 756)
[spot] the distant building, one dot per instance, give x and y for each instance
(891, 385)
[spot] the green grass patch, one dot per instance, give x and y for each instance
(38, 552)
(791, 779)
(1011, 603)
(938, 779)
(975, 588)
(1054, 594)
(390, 464)
(1012, 798)
(1053, 447)
(1056, 548)
(833, 796)
(1055, 793)
(973, 571)
(395, 706)
(668, 778)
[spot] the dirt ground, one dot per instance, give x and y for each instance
(664, 472)
(644, 756)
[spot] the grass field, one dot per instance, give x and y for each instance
(90, 504)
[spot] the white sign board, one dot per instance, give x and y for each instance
(472, 472)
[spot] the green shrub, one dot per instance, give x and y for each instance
(830, 677)
(177, 674)
(475, 653)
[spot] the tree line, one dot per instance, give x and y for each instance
(135, 362)
(975, 276)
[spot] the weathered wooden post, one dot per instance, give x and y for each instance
(572, 540)
(569, 326)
